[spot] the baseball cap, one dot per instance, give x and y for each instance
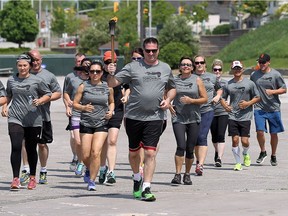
(263, 58)
(108, 56)
(236, 64)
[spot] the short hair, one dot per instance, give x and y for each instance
(217, 62)
(138, 50)
(79, 54)
(150, 40)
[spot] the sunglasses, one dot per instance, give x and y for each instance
(262, 62)
(201, 62)
(217, 69)
(151, 50)
(237, 68)
(108, 62)
(186, 64)
(95, 71)
(136, 58)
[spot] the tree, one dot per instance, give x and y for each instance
(172, 53)
(18, 22)
(65, 21)
(176, 29)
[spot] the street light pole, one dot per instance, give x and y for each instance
(150, 18)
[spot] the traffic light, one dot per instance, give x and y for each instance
(180, 10)
(145, 11)
(116, 6)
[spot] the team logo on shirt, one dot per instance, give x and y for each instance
(151, 76)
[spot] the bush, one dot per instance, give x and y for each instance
(12, 50)
(172, 53)
(222, 29)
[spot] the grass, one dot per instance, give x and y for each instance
(271, 38)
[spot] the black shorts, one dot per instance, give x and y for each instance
(239, 128)
(116, 120)
(90, 130)
(148, 132)
(47, 133)
(69, 126)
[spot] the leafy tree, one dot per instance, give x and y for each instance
(255, 8)
(65, 21)
(176, 29)
(283, 9)
(197, 13)
(172, 53)
(18, 22)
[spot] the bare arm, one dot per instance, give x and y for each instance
(77, 99)
(111, 102)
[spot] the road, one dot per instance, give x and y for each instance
(256, 190)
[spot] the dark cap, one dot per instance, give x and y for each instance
(264, 58)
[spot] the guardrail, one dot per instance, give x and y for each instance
(6, 71)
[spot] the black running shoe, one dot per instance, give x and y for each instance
(147, 195)
(186, 179)
(273, 160)
(177, 179)
(261, 157)
(218, 163)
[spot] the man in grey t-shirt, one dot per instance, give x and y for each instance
(152, 89)
(243, 94)
(270, 84)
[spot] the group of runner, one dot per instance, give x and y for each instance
(140, 93)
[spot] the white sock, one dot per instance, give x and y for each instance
(27, 168)
(245, 150)
(145, 185)
(236, 153)
(137, 176)
(43, 169)
(102, 168)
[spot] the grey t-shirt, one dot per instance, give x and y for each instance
(51, 81)
(211, 85)
(218, 108)
(21, 90)
(147, 85)
(96, 95)
(186, 113)
(243, 90)
(67, 79)
(71, 90)
(2, 90)
(270, 80)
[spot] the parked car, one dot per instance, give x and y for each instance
(71, 43)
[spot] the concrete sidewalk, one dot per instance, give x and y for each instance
(256, 190)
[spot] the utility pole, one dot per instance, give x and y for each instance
(150, 18)
(141, 22)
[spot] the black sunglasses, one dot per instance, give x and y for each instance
(217, 69)
(151, 50)
(95, 71)
(201, 62)
(136, 58)
(262, 62)
(186, 64)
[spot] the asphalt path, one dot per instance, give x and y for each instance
(256, 190)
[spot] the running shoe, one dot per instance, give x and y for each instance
(218, 162)
(73, 165)
(43, 178)
(176, 180)
(186, 179)
(238, 167)
(79, 169)
(111, 179)
(86, 176)
(199, 169)
(91, 185)
(147, 195)
(102, 175)
(24, 178)
(15, 185)
(247, 160)
(137, 188)
(261, 157)
(32, 184)
(273, 160)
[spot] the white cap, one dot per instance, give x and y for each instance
(236, 64)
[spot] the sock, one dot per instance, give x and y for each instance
(27, 168)
(43, 169)
(137, 176)
(75, 158)
(245, 150)
(102, 168)
(145, 185)
(236, 153)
